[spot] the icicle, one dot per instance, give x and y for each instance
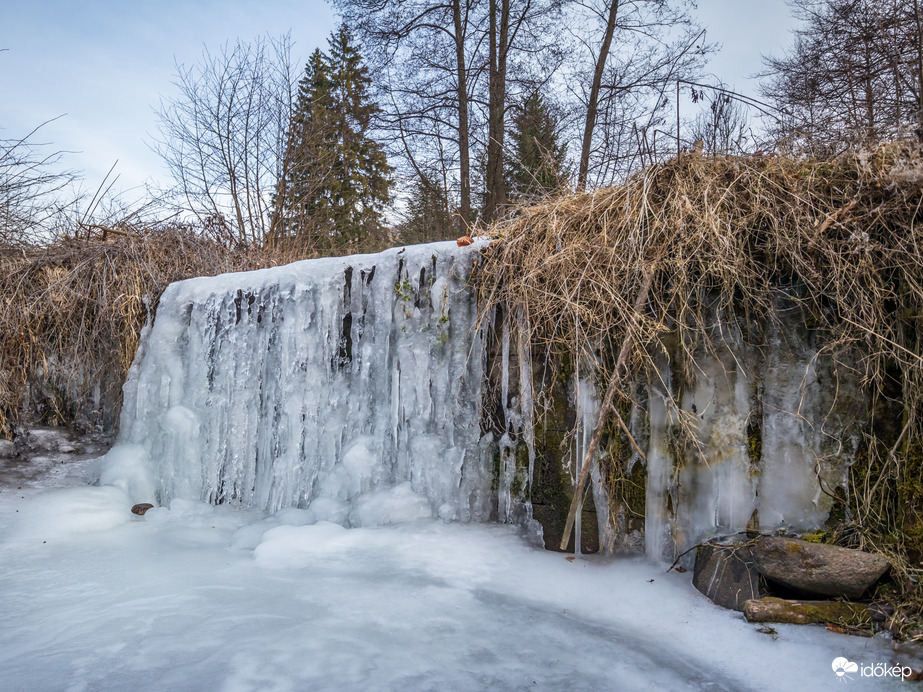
(659, 465)
(587, 405)
(505, 374)
(524, 350)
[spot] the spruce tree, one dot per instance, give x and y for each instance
(304, 205)
(427, 217)
(337, 177)
(537, 166)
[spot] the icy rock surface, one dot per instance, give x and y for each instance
(349, 387)
(774, 429)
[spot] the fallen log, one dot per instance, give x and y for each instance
(772, 609)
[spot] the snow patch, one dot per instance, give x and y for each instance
(126, 467)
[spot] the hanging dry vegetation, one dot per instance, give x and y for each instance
(726, 233)
(686, 252)
(72, 312)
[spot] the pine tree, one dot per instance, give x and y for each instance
(304, 206)
(537, 167)
(337, 177)
(427, 218)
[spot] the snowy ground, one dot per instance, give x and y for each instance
(202, 598)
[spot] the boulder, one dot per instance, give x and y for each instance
(817, 568)
(726, 574)
(771, 609)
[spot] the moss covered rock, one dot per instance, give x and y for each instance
(771, 609)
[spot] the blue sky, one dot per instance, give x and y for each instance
(106, 64)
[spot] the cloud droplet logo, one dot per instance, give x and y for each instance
(841, 666)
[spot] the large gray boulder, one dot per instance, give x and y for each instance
(817, 568)
(726, 574)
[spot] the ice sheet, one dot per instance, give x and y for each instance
(198, 597)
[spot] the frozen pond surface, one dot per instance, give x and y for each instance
(202, 598)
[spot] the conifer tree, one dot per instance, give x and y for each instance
(304, 208)
(537, 167)
(427, 217)
(337, 177)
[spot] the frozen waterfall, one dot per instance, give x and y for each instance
(349, 387)
(362, 390)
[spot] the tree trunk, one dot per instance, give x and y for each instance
(594, 96)
(499, 50)
(464, 172)
(771, 609)
(919, 22)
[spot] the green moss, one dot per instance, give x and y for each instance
(753, 525)
(552, 488)
(565, 370)
(814, 537)
(520, 486)
(909, 519)
(627, 494)
(754, 445)
(404, 290)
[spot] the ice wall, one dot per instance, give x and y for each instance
(774, 427)
(349, 387)
(357, 389)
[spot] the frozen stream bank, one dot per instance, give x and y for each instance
(314, 439)
(199, 597)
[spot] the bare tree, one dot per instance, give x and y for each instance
(419, 50)
(916, 53)
(724, 126)
(449, 71)
(637, 48)
(853, 75)
(223, 135)
(518, 35)
(32, 190)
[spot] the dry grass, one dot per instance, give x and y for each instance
(725, 239)
(72, 311)
(721, 234)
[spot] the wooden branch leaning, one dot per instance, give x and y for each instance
(617, 374)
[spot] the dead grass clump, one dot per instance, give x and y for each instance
(724, 233)
(72, 311)
(723, 240)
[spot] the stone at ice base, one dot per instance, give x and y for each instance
(794, 612)
(816, 568)
(726, 574)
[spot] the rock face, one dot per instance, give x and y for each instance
(816, 568)
(772, 609)
(726, 574)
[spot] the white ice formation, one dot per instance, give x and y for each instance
(353, 389)
(344, 386)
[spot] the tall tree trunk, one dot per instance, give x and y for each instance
(499, 50)
(918, 18)
(593, 104)
(462, 90)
